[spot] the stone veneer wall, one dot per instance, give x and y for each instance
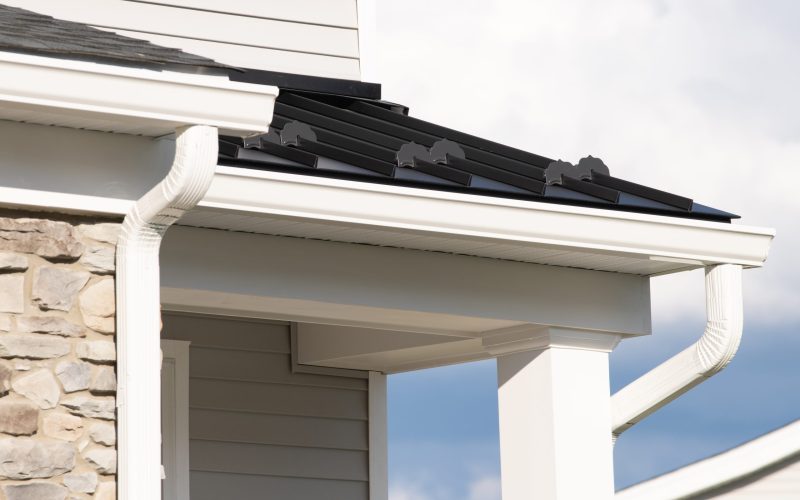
(57, 358)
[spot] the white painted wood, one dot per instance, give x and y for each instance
(175, 419)
(554, 417)
(337, 283)
(340, 13)
(127, 100)
(767, 467)
(138, 310)
(202, 25)
(697, 363)
(245, 56)
(456, 217)
(378, 438)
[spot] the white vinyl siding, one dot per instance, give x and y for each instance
(257, 430)
(314, 37)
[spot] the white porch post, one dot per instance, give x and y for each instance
(555, 415)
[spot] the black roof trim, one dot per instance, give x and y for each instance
(317, 84)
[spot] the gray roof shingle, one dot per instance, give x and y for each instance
(33, 33)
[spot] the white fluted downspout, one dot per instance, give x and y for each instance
(706, 357)
(138, 309)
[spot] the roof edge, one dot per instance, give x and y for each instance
(308, 83)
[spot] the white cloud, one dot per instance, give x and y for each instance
(485, 488)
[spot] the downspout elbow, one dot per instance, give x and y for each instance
(700, 361)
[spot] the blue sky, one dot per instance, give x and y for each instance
(697, 98)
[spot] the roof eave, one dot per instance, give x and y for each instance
(80, 94)
(677, 244)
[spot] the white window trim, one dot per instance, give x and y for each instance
(175, 432)
(378, 438)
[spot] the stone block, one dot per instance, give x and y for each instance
(6, 371)
(12, 293)
(99, 259)
(81, 483)
(28, 458)
(103, 433)
(5, 323)
(18, 418)
(98, 306)
(107, 232)
(104, 380)
(62, 426)
(32, 346)
(52, 240)
(74, 375)
(57, 287)
(35, 491)
(40, 386)
(88, 406)
(52, 325)
(101, 351)
(103, 459)
(11, 262)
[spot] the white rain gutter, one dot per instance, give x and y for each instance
(139, 310)
(700, 361)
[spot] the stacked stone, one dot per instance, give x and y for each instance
(57, 350)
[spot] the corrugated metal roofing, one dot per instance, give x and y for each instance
(32, 33)
(374, 141)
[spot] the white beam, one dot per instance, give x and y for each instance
(554, 415)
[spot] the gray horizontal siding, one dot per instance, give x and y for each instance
(215, 486)
(256, 429)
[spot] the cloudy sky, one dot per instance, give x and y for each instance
(695, 97)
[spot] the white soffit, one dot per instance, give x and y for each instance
(338, 210)
(109, 98)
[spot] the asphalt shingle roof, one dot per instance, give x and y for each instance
(32, 33)
(374, 141)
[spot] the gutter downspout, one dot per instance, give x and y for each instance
(138, 308)
(698, 362)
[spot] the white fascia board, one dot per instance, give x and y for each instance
(485, 218)
(150, 102)
(51, 201)
(711, 473)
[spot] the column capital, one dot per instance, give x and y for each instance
(536, 337)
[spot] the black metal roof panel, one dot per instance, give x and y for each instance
(374, 141)
(33, 33)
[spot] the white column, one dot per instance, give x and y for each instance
(555, 415)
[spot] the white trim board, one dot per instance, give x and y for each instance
(434, 220)
(175, 418)
(714, 472)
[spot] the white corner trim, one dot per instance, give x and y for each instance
(176, 431)
(367, 40)
(706, 357)
(137, 97)
(719, 470)
(378, 438)
(485, 218)
(138, 309)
